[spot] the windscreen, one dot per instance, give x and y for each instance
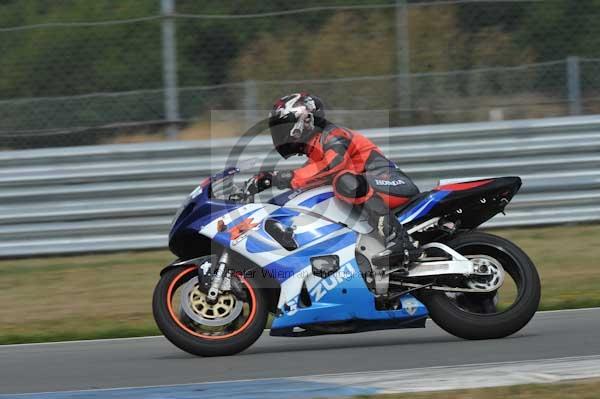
(223, 183)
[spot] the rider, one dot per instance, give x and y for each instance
(357, 169)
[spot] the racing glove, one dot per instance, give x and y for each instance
(263, 181)
(282, 179)
(279, 179)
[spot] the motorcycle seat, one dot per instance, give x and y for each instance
(412, 201)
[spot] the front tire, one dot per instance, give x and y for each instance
(472, 317)
(191, 338)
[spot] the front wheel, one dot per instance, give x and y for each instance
(192, 324)
(490, 315)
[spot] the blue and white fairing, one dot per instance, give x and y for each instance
(320, 224)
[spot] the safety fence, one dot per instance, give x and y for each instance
(98, 73)
(122, 197)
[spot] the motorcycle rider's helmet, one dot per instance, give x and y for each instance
(294, 119)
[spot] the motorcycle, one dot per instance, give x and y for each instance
(304, 257)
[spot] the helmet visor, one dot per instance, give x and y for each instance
(281, 133)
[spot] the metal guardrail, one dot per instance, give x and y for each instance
(122, 197)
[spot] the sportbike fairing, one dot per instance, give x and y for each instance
(342, 295)
(339, 296)
(319, 225)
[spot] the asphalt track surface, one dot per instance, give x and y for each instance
(153, 361)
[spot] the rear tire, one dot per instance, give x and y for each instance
(175, 330)
(474, 325)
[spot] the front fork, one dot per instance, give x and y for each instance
(213, 279)
(217, 280)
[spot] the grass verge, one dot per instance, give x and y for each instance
(107, 296)
(583, 389)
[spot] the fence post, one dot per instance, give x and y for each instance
(574, 85)
(403, 95)
(250, 102)
(169, 61)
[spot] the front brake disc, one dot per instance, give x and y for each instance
(196, 307)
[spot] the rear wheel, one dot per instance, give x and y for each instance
(488, 315)
(192, 324)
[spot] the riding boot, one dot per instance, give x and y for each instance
(399, 250)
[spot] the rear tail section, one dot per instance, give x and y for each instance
(468, 203)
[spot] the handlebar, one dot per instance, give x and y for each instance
(250, 189)
(246, 195)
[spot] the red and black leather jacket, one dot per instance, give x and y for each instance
(336, 150)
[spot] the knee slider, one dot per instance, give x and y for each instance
(351, 185)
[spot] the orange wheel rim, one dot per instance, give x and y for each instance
(197, 334)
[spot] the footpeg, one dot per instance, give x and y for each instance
(454, 263)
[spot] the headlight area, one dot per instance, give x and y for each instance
(184, 210)
(188, 205)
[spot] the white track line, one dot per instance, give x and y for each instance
(393, 381)
(420, 369)
(104, 340)
(469, 376)
(81, 341)
(566, 310)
